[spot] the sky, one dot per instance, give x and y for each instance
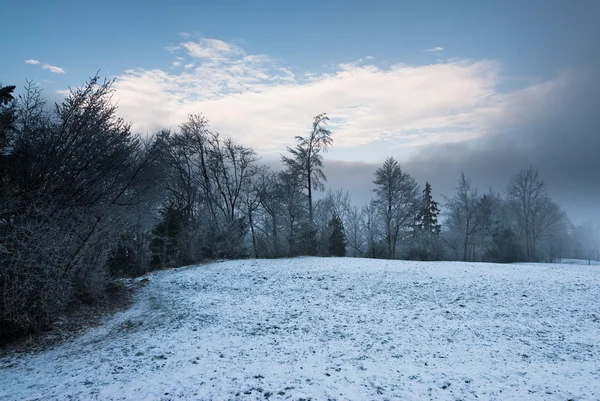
(487, 88)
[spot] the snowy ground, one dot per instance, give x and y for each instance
(580, 262)
(335, 329)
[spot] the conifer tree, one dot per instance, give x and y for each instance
(337, 239)
(8, 115)
(426, 245)
(427, 219)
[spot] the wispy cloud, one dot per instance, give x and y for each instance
(176, 63)
(211, 49)
(54, 69)
(64, 92)
(190, 65)
(32, 61)
(402, 104)
(434, 49)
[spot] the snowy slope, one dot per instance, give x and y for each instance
(580, 262)
(335, 329)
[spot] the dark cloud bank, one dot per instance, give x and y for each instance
(562, 139)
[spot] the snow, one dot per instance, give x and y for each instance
(334, 328)
(580, 262)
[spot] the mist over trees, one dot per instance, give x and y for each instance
(84, 200)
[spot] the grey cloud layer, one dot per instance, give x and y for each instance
(563, 141)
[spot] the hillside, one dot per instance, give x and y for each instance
(334, 329)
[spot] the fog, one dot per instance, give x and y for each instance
(563, 141)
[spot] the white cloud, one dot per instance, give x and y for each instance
(54, 69)
(32, 61)
(176, 63)
(264, 105)
(187, 66)
(64, 92)
(434, 49)
(349, 66)
(211, 49)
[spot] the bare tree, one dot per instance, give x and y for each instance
(396, 199)
(251, 202)
(355, 231)
(195, 142)
(270, 198)
(587, 237)
(372, 230)
(293, 201)
(467, 215)
(232, 168)
(534, 211)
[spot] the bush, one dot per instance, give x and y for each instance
(505, 247)
(71, 180)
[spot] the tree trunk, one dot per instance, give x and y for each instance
(310, 205)
(251, 221)
(465, 247)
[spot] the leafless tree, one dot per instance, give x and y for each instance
(231, 169)
(270, 198)
(355, 231)
(294, 207)
(468, 214)
(534, 211)
(396, 199)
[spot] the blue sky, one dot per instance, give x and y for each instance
(533, 39)
(452, 78)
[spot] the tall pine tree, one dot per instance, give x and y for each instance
(427, 228)
(337, 239)
(427, 219)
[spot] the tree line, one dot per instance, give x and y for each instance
(84, 199)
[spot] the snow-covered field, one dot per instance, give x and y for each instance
(313, 328)
(580, 262)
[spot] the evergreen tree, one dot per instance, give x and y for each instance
(7, 111)
(8, 115)
(427, 219)
(505, 246)
(337, 239)
(164, 242)
(306, 243)
(426, 245)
